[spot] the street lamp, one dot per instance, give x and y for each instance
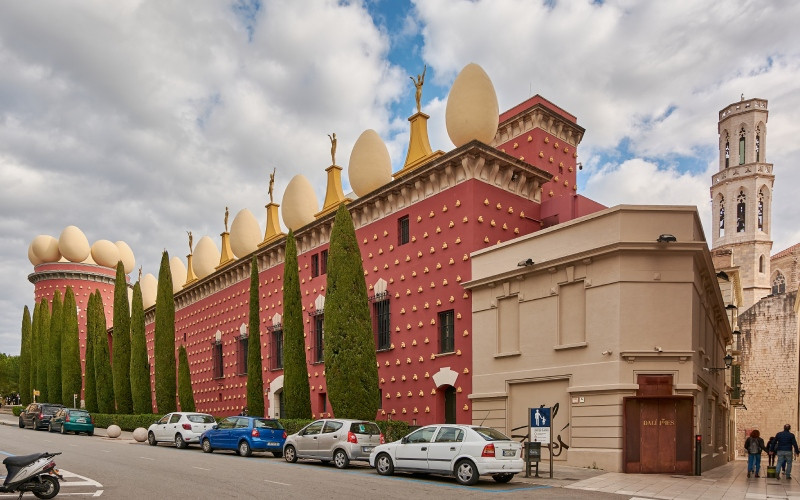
(728, 359)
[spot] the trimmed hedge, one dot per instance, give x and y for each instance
(17, 410)
(125, 422)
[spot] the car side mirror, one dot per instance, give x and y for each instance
(404, 440)
(215, 426)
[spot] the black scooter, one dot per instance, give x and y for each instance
(36, 473)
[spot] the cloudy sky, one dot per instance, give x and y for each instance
(138, 120)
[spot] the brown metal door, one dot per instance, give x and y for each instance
(658, 435)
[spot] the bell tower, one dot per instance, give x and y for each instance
(741, 194)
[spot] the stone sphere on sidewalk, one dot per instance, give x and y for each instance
(140, 434)
(113, 431)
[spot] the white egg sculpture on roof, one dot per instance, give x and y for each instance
(32, 256)
(45, 248)
(89, 260)
(206, 257)
(299, 203)
(472, 111)
(149, 285)
(178, 272)
(245, 233)
(105, 253)
(73, 244)
(370, 166)
(126, 256)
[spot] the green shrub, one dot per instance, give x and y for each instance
(17, 410)
(125, 422)
(293, 425)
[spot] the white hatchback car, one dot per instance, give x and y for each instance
(463, 451)
(181, 428)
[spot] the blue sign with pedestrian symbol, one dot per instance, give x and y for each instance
(540, 425)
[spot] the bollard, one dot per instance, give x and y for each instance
(698, 450)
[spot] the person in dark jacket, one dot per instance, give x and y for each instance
(754, 446)
(785, 444)
(771, 451)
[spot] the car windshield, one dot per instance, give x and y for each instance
(201, 419)
(263, 423)
(365, 428)
(490, 434)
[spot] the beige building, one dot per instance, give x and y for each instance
(625, 333)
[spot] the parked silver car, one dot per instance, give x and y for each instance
(334, 439)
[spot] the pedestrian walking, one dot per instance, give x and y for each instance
(785, 445)
(754, 446)
(771, 451)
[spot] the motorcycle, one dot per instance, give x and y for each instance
(36, 473)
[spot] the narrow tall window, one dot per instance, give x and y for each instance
(727, 153)
(277, 348)
(319, 336)
(761, 264)
(380, 321)
(402, 230)
(721, 216)
(740, 211)
(761, 211)
(323, 262)
(779, 284)
(242, 361)
(741, 147)
(315, 265)
(216, 355)
(446, 331)
(758, 147)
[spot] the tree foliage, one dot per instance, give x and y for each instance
(43, 338)
(140, 368)
(165, 340)
(9, 374)
(350, 362)
(71, 378)
(255, 376)
(90, 387)
(102, 361)
(122, 344)
(25, 390)
(185, 394)
(54, 350)
(297, 394)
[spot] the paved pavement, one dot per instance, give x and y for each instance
(729, 482)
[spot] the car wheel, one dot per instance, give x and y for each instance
(90, 433)
(207, 446)
(466, 473)
(340, 459)
(179, 442)
(151, 439)
(51, 490)
(503, 478)
(63, 431)
(21, 423)
(289, 454)
(244, 449)
(50, 427)
(384, 465)
(36, 424)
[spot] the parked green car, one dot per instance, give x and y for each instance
(72, 420)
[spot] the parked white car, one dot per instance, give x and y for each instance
(463, 451)
(181, 428)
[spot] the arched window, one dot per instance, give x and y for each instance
(778, 284)
(727, 152)
(758, 143)
(741, 146)
(721, 216)
(761, 264)
(740, 211)
(761, 210)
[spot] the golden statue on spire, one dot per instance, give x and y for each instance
(190, 241)
(271, 183)
(226, 219)
(418, 84)
(333, 147)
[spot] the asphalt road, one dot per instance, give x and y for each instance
(98, 466)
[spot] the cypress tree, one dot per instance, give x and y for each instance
(295, 370)
(122, 344)
(351, 369)
(36, 325)
(164, 340)
(54, 350)
(90, 389)
(140, 368)
(185, 394)
(255, 378)
(104, 380)
(25, 389)
(71, 378)
(44, 337)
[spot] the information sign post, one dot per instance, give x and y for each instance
(541, 430)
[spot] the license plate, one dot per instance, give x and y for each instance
(81, 420)
(273, 444)
(509, 453)
(367, 449)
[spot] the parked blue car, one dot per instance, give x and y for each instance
(245, 435)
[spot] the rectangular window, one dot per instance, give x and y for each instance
(242, 361)
(323, 262)
(402, 230)
(572, 313)
(508, 325)
(216, 359)
(277, 349)
(380, 398)
(380, 320)
(319, 336)
(323, 402)
(446, 331)
(315, 265)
